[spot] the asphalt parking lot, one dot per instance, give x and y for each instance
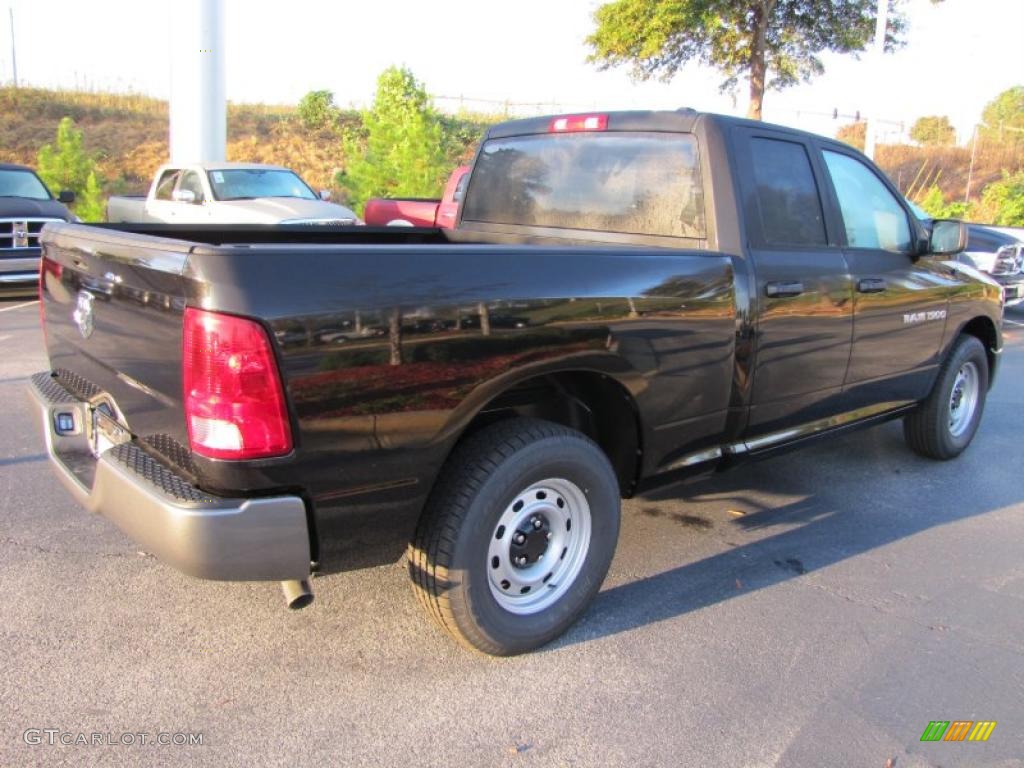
(816, 609)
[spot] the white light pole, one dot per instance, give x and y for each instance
(14, 57)
(970, 170)
(877, 57)
(198, 97)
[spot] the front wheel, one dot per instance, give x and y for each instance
(945, 423)
(517, 535)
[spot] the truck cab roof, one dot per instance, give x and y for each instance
(684, 120)
(225, 166)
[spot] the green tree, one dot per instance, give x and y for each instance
(773, 43)
(66, 165)
(854, 134)
(317, 110)
(934, 204)
(1003, 201)
(933, 131)
(462, 135)
(90, 205)
(1003, 117)
(400, 151)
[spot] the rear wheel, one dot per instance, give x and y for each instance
(517, 535)
(945, 423)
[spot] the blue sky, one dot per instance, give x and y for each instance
(960, 54)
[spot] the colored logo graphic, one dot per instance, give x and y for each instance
(958, 730)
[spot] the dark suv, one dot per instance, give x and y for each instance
(25, 206)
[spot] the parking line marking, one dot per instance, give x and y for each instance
(1012, 322)
(5, 337)
(19, 306)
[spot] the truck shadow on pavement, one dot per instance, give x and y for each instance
(857, 493)
(11, 460)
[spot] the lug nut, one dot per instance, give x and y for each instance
(549, 535)
(520, 538)
(537, 523)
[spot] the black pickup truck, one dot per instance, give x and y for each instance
(628, 297)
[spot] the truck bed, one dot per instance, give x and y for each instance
(126, 208)
(387, 339)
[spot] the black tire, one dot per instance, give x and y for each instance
(928, 428)
(478, 487)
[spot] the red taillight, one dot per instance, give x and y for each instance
(234, 401)
(573, 123)
(46, 267)
(42, 307)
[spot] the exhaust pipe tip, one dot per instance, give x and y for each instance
(297, 594)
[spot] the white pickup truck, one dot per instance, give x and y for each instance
(228, 193)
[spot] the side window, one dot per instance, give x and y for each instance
(460, 188)
(166, 185)
(192, 183)
(872, 216)
(787, 194)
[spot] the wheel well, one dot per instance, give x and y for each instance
(984, 330)
(589, 402)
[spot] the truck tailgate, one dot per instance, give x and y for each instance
(113, 304)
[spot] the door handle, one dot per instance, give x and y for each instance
(783, 290)
(871, 285)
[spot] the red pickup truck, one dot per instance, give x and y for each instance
(416, 212)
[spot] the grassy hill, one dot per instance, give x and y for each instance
(129, 135)
(915, 169)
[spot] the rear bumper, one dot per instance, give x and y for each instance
(206, 536)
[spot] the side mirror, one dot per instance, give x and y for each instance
(948, 236)
(66, 196)
(325, 194)
(184, 196)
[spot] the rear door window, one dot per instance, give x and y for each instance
(630, 183)
(787, 195)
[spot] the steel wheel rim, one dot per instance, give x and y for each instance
(963, 399)
(565, 512)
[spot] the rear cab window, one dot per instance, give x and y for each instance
(633, 183)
